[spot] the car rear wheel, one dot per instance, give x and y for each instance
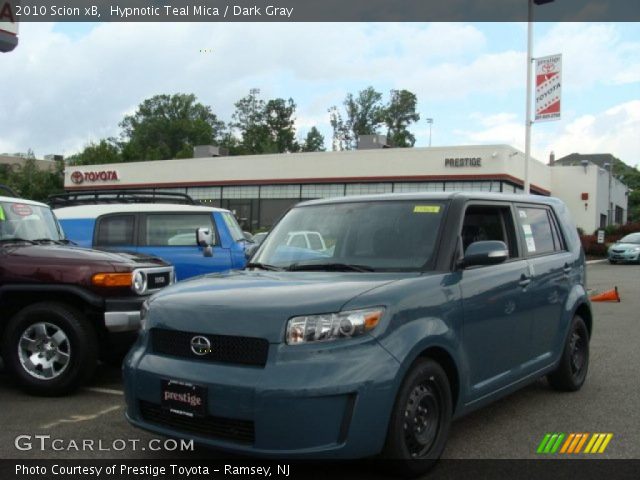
(49, 348)
(420, 421)
(574, 364)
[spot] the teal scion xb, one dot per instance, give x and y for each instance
(419, 309)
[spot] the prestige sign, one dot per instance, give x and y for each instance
(8, 25)
(79, 177)
(463, 162)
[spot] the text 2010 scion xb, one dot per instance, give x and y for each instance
(412, 310)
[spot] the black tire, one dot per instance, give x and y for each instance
(612, 262)
(425, 400)
(32, 339)
(574, 364)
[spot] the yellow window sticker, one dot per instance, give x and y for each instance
(426, 209)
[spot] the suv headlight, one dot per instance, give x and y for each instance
(139, 283)
(332, 326)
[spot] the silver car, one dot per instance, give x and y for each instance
(627, 249)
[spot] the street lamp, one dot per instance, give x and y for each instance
(430, 122)
(528, 121)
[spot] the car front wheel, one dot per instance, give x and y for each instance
(574, 364)
(49, 348)
(420, 421)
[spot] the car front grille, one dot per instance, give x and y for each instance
(234, 430)
(223, 348)
(618, 251)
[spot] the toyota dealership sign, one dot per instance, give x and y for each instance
(548, 87)
(8, 25)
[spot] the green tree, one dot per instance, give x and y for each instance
(399, 113)
(34, 183)
(314, 141)
(363, 115)
(168, 126)
(105, 151)
(264, 127)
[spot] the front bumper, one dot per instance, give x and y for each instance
(305, 403)
(628, 256)
(123, 314)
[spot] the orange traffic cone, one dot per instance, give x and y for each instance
(608, 296)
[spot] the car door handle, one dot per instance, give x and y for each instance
(566, 269)
(524, 280)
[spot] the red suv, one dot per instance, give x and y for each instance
(63, 307)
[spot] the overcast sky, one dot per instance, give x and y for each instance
(68, 84)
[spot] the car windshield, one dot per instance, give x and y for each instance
(631, 238)
(21, 221)
(356, 236)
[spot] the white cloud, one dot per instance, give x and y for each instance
(592, 53)
(614, 130)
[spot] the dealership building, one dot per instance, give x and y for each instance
(259, 188)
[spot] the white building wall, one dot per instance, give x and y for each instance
(350, 166)
(568, 183)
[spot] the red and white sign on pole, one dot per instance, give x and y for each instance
(548, 87)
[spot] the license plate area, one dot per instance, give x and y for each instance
(182, 398)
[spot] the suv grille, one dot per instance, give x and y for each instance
(240, 431)
(157, 278)
(224, 348)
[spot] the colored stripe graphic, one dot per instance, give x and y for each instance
(550, 443)
(573, 443)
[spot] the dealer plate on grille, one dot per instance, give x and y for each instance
(183, 398)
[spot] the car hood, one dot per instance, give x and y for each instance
(53, 254)
(625, 246)
(256, 304)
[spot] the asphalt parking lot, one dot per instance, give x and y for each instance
(510, 428)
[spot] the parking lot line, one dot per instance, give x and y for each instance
(82, 418)
(109, 391)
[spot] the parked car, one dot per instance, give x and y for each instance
(62, 306)
(427, 307)
(306, 239)
(627, 249)
(196, 239)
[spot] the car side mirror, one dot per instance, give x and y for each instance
(486, 252)
(205, 238)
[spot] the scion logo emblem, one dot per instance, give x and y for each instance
(77, 177)
(200, 345)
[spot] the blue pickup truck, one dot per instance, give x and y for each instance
(196, 239)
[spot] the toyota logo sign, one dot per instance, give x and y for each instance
(200, 345)
(77, 177)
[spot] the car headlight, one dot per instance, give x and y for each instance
(139, 283)
(332, 326)
(636, 249)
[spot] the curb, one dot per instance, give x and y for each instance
(593, 262)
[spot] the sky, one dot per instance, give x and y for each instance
(68, 84)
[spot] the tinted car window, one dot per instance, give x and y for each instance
(537, 230)
(116, 230)
(382, 235)
(489, 223)
(174, 230)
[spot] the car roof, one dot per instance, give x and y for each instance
(22, 200)
(436, 196)
(93, 211)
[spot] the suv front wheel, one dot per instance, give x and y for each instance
(420, 420)
(50, 348)
(574, 364)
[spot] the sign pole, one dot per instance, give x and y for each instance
(528, 122)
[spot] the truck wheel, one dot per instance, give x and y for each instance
(50, 348)
(572, 370)
(420, 421)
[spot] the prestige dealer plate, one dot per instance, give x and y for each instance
(183, 398)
